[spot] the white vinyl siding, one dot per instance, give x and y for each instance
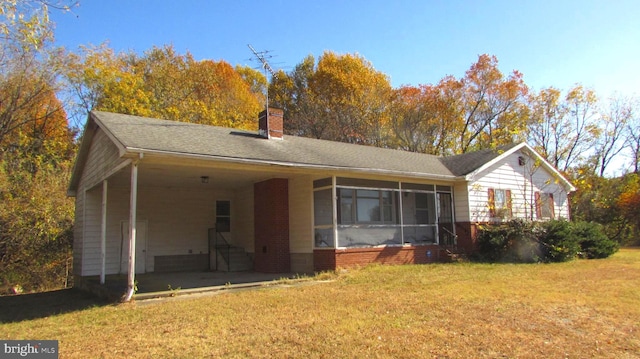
(78, 229)
(102, 159)
(243, 220)
(461, 202)
(301, 224)
(177, 223)
(522, 181)
(300, 215)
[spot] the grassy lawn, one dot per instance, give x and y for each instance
(578, 309)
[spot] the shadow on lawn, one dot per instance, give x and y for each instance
(17, 308)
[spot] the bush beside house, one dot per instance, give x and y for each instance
(551, 241)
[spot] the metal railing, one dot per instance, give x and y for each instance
(220, 245)
(450, 238)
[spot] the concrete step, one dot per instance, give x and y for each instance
(456, 255)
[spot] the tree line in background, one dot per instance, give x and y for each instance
(46, 93)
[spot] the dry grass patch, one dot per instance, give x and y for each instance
(577, 309)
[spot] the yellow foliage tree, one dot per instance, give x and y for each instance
(165, 84)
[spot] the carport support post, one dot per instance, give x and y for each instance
(132, 231)
(103, 233)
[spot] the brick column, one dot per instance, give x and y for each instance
(271, 216)
(467, 237)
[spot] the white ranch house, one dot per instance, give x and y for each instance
(189, 197)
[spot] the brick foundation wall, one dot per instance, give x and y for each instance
(271, 225)
(329, 259)
(324, 259)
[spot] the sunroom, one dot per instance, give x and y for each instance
(377, 214)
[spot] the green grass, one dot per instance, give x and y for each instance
(579, 309)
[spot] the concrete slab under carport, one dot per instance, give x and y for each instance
(155, 285)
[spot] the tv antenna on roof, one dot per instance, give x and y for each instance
(265, 65)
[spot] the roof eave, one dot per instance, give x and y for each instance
(83, 152)
(567, 184)
(470, 176)
(311, 166)
(91, 127)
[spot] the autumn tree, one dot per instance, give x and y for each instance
(357, 94)
(36, 147)
(220, 96)
(103, 80)
(293, 93)
(164, 84)
(36, 216)
(545, 124)
(611, 125)
(483, 109)
(257, 81)
(423, 118)
(581, 129)
(341, 98)
(632, 136)
(628, 203)
(563, 129)
(411, 118)
(492, 106)
(25, 23)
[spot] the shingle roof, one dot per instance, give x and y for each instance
(146, 134)
(466, 163)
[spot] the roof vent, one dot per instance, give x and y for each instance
(521, 160)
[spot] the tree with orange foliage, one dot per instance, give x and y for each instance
(422, 117)
(629, 203)
(493, 111)
(36, 146)
(341, 98)
(168, 85)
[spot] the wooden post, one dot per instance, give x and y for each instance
(334, 209)
(132, 232)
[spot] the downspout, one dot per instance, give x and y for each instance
(133, 203)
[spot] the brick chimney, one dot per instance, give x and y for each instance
(271, 125)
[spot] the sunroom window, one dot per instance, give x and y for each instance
(367, 213)
(366, 206)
